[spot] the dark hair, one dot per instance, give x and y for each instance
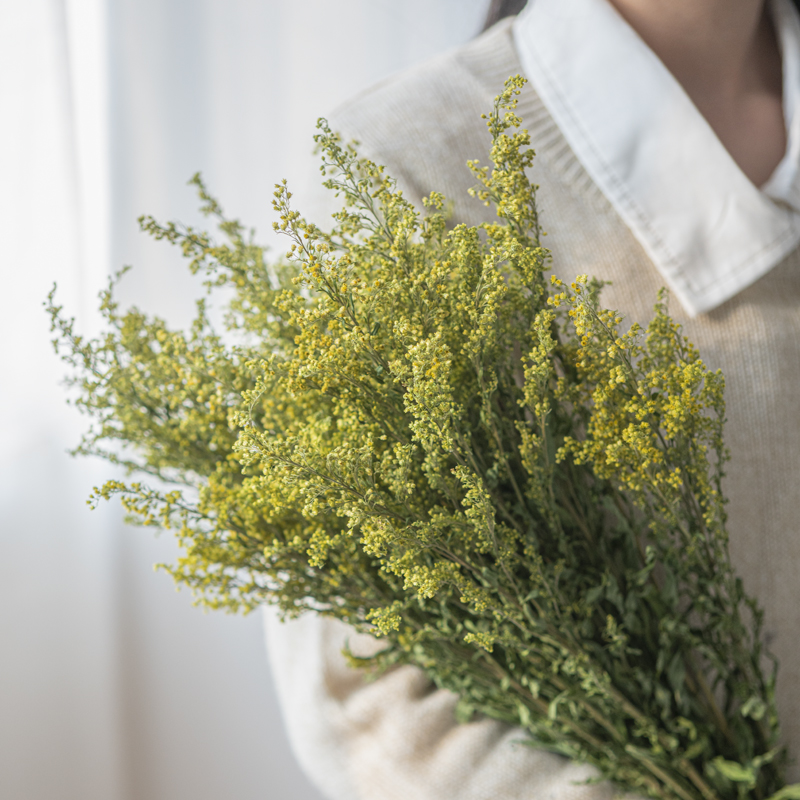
(504, 8)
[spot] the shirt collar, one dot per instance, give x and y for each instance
(706, 227)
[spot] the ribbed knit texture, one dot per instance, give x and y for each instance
(396, 737)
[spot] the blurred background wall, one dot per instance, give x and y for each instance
(112, 686)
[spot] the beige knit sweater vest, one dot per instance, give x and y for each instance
(396, 737)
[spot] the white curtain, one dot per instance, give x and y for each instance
(112, 686)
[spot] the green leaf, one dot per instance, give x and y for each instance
(552, 709)
(695, 749)
(524, 714)
(594, 594)
(676, 672)
(733, 771)
(791, 792)
(755, 708)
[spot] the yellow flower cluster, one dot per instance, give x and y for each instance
(421, 434)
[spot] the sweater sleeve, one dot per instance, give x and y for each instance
(396, 737)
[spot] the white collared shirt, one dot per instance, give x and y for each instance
(708, 229)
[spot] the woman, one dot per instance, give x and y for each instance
(667, 153)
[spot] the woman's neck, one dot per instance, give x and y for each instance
(725, 55)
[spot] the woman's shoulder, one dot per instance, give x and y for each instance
(423, 124)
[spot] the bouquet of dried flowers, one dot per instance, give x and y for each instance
(420, 432)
